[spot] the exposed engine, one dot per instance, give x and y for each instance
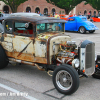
(66, 54)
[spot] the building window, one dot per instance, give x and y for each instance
(85, 12)
(45, 11)
(37, 10)
(53, 11)
(6, 9)
(90, 13)
(28, 9)
(94, 13)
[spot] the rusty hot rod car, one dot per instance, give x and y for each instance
(41, 42)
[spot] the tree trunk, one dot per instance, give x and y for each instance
(13, 8)
(67, 11)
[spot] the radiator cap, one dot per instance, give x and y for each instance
(84, 43)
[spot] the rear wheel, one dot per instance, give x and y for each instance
(66, 79)
(96, 75)
(82, 30)
(91, 31)
(3, 58)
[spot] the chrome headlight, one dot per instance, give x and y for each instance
(75, 63)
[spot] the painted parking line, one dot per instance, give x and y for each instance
(17, 92)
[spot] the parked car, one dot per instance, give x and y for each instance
(63, 16)
(96, 19)
(42, 42)
(81, 24)
(3, 16)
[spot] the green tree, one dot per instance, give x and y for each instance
(13, 4)
(94, 3)
(68, 5)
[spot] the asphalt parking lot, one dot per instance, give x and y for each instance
(33, 84)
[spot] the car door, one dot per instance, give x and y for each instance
(71, 24)
(6, 38)
(23, 41)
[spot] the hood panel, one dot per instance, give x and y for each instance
(89, 23)
(57, 40)
(45, 36)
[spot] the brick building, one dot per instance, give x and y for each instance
(39, 6)
(84, 9)
(4, 8)
(46, 8)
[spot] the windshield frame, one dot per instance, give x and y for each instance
(50, 27)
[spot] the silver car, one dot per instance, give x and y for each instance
(3, 16)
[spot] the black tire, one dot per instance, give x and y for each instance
(65, 75)
(82, 30)
(3, 58)
(91, 31)
(96, 75)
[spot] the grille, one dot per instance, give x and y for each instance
(90, 58)
(90, 55)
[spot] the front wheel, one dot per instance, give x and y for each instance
(66, 79)
(82, 30)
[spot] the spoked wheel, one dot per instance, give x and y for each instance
(66, 79)
(82, 30)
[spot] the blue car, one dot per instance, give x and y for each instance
(81, 24)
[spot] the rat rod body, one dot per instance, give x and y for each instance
(41, 41)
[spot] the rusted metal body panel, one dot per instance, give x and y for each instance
(40, 49)
(27, 57)
(57, 40)
(20, 42)
(37, 52)
(22, 48)
(6, 42)
(54, 39)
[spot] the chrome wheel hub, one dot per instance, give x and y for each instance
(64, 80)
(82, 30)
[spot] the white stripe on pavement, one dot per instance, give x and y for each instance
(16, 91)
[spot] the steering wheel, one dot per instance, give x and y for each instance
(26, 32)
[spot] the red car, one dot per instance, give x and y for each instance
(96, 19)
(63, 16)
